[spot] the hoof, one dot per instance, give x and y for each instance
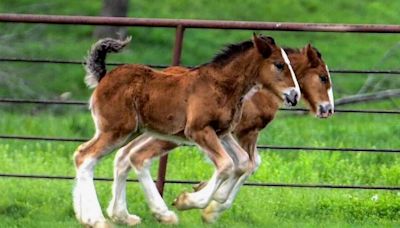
(103, 224)
(199, 186)
(211, 217)
(181, 203)
(130, 220)
(211, 213)
(168, 218)
(133, 220)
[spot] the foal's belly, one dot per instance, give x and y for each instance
(163, 114)
(163, 123)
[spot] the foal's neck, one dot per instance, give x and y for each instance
(238, 76)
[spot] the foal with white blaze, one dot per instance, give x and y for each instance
(258, 111)
(316, 87)
(200, 106)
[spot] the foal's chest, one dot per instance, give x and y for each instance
(229, 118)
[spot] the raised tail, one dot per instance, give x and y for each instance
(95, 62)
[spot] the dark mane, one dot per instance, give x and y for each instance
(231, 50)
(289, 51)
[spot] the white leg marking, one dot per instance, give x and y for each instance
(153, 197)
(201, 198)
(214, 209)
(242, 164)
(86, 204)
(117, 209)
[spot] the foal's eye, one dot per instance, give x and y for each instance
(279, 66)
(323, 78)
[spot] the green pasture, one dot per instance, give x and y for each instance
(48, 203)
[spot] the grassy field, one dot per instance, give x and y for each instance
(38, 203)
(47, 203)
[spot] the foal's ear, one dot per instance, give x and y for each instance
(264, 44)
(312, 55)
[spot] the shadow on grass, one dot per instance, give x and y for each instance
(15, 211)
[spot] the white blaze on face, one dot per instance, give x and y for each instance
(287, 61)
(330, 91)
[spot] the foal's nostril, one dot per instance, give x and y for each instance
(326, 109)
(322, 108)
(291, 99)
(294, 102)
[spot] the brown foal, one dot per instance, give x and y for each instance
(201, 106)
(258, 111)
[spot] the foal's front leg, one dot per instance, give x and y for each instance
(209, 142)
(249, 142)
(241, 160)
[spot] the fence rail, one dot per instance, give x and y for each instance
(180, 26)
(200, 24)
(81, 62)
(262, 147)
(83, 103)
(252, 184)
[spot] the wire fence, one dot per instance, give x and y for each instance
(83, 103)
(180, 26)
(252, 184)
(261, 147)
(81, 62)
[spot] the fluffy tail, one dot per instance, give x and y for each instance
(95, 62)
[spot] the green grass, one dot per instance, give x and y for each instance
(48, 203)
(254, 207)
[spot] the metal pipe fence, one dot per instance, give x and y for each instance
(180, 26)
(83, 103)
(200, 24)
(81, 62)
(261, 147)
(252, 184)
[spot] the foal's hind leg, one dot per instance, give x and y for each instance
(86, 205)
(117, 209)
(138, 154)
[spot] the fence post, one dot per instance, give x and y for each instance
(162, 168)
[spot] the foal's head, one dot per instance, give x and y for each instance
(315, 81)
(276, 73)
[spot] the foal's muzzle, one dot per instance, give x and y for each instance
(291, 97)
(325, 110)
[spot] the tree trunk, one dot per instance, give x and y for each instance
(113, 8)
